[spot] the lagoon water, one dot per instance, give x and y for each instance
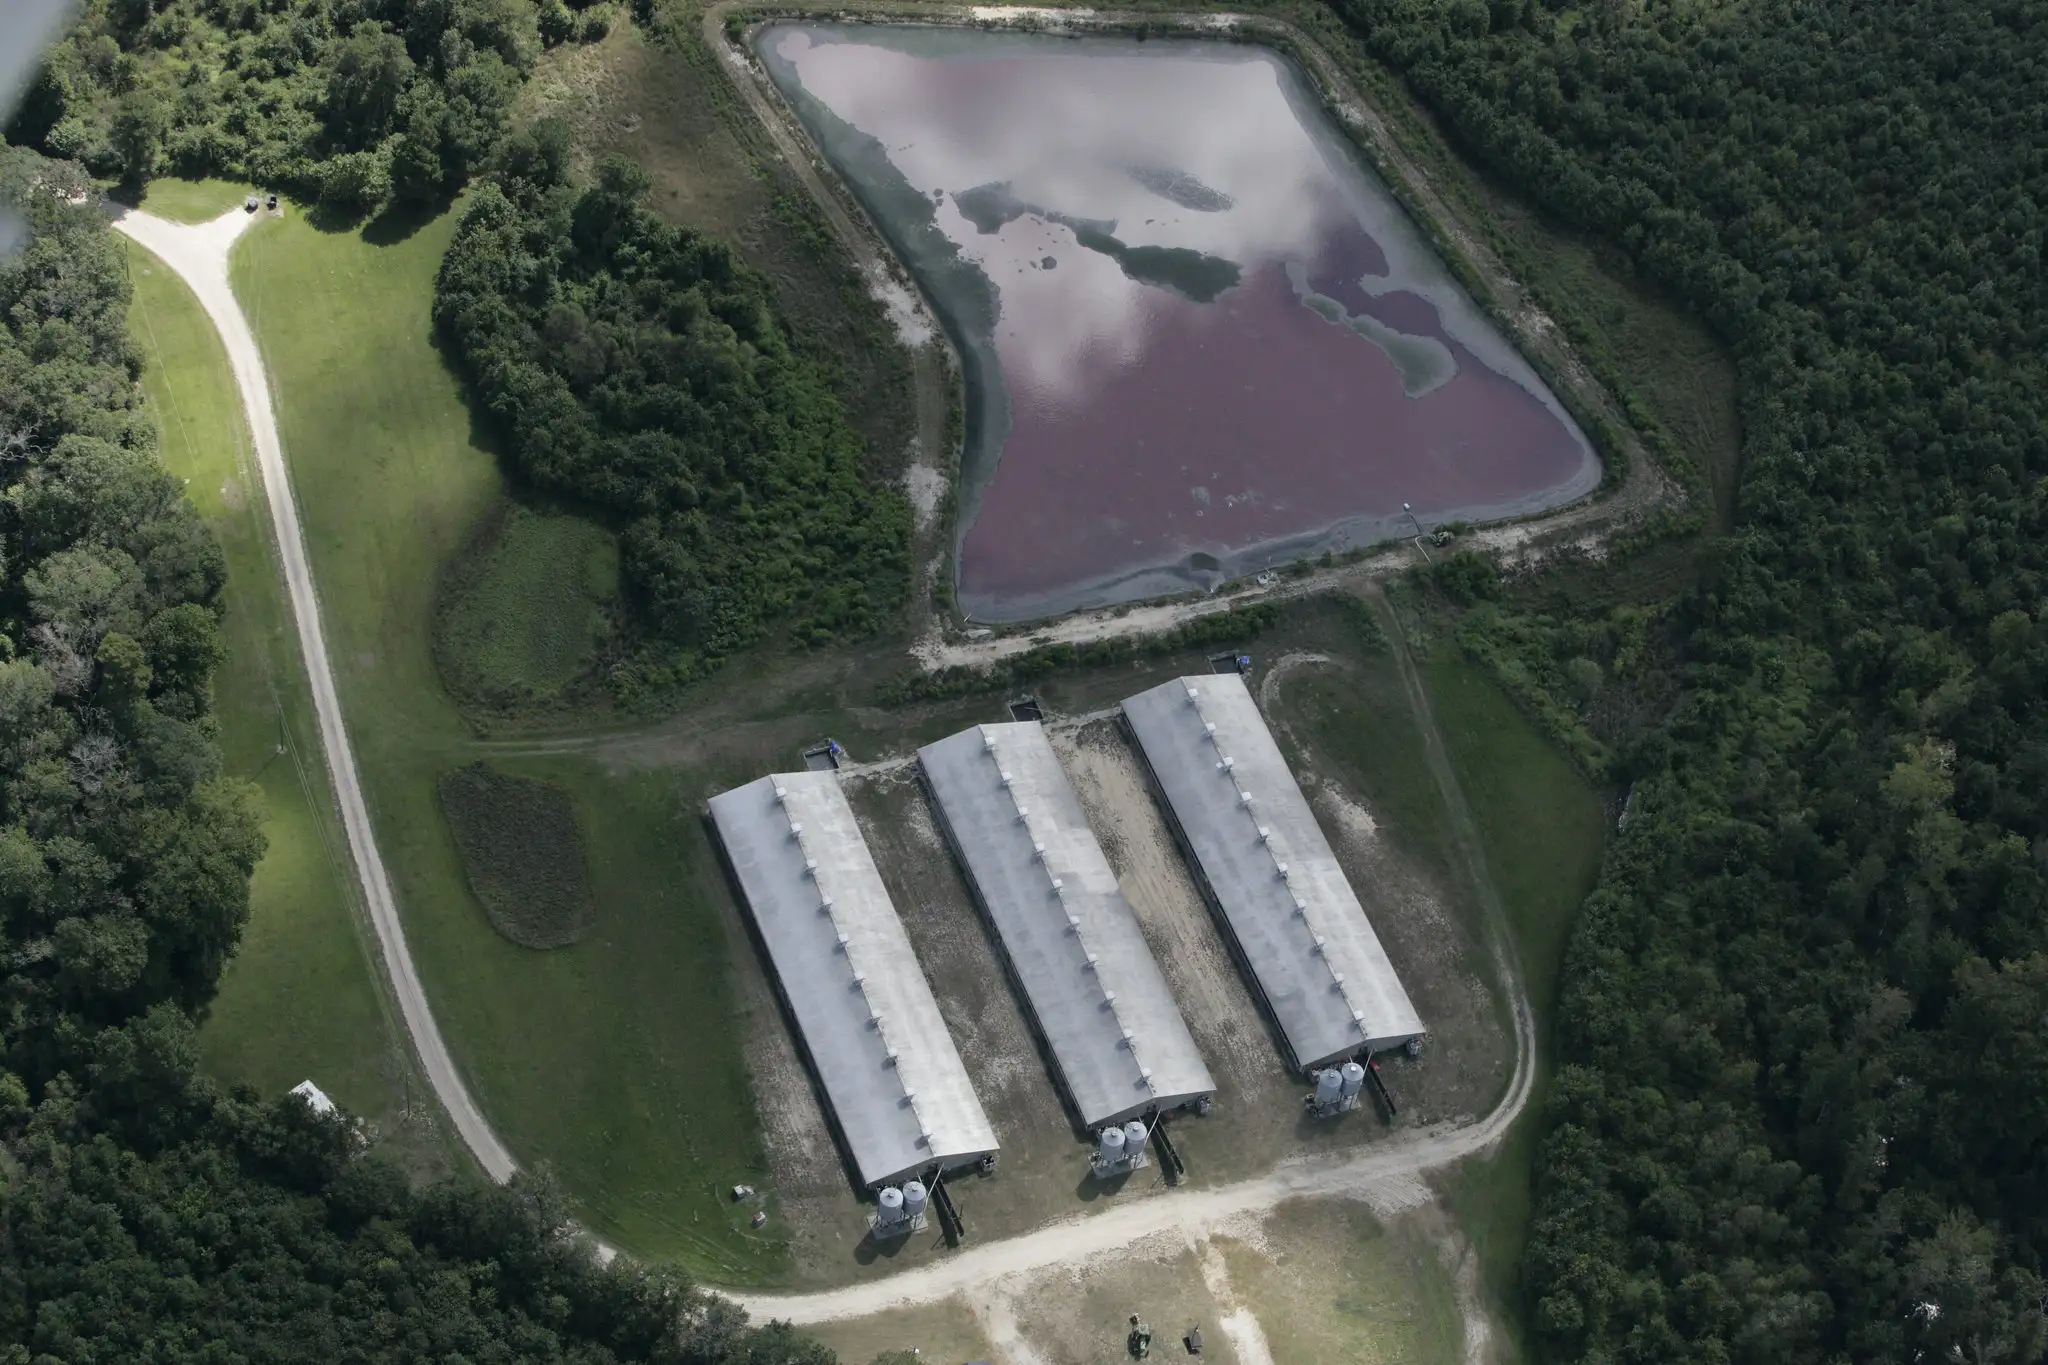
(1201, 339)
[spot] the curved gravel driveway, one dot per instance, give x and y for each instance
(198, 254)
(1386, 1174)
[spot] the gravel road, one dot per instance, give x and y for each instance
(198, 254)
(1386, 1175)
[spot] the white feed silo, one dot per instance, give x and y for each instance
(888, 1207)
(1329, 1088)
(915, 1198)
(1110, 1145)
(1134, 1137)
(1353, 1076)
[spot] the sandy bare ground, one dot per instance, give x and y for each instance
(1388, 1176)
(199, 255)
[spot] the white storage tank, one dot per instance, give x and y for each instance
(1134, 1137)
(1329, 1086)
(1111, 1146)
(1353, 1077)
(914, 1198)
(889, 1207)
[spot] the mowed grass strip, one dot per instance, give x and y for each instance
(193, 201)
(1541, 828)
(527, 607)
(614, 1062)
(1544, 831)
(522, 852)
(1541, 823)
(301, 999)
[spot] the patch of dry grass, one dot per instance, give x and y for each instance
(522, 853)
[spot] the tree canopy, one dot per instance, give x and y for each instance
(145, 1214)
(1805, 1016)
(641, 370)
(347, 102)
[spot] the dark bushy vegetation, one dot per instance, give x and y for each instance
(641, 370)
(220, 1228)
(1803, 1111)
(124, 854)
(147, 1216)
(348, 102)
(522, 852)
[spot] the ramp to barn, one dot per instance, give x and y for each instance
(1116, 1038)
(1294, 921)
(899, 1095)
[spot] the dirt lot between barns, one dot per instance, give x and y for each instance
(1426, 920)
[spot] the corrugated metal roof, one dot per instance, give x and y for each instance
(1116, 1036)
(1296, 920)
(889, 1067)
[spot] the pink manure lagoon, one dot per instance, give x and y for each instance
(1200, 337)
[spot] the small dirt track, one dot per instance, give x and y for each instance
(198, 254)
(1385, 1174)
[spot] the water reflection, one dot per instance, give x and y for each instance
(1205, 336)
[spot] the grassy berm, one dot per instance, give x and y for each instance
(526, 607)
(522, 854)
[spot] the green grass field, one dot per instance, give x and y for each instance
(302, 998)
(1539, 824)
(1544, 831)
(527, 607)
(192, 201)
(613, 1060)
(1368, 727)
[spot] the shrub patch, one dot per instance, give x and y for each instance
(522, 853)
(528, 608)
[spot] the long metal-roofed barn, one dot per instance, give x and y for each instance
(1292, 917)
(1072, 943)
(899, 1094)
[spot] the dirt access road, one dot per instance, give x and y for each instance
(199, 256)
(1387, 1176)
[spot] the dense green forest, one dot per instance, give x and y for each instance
(344, 102)
(640, 369)
(146, 1215)
(1803, 1111)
